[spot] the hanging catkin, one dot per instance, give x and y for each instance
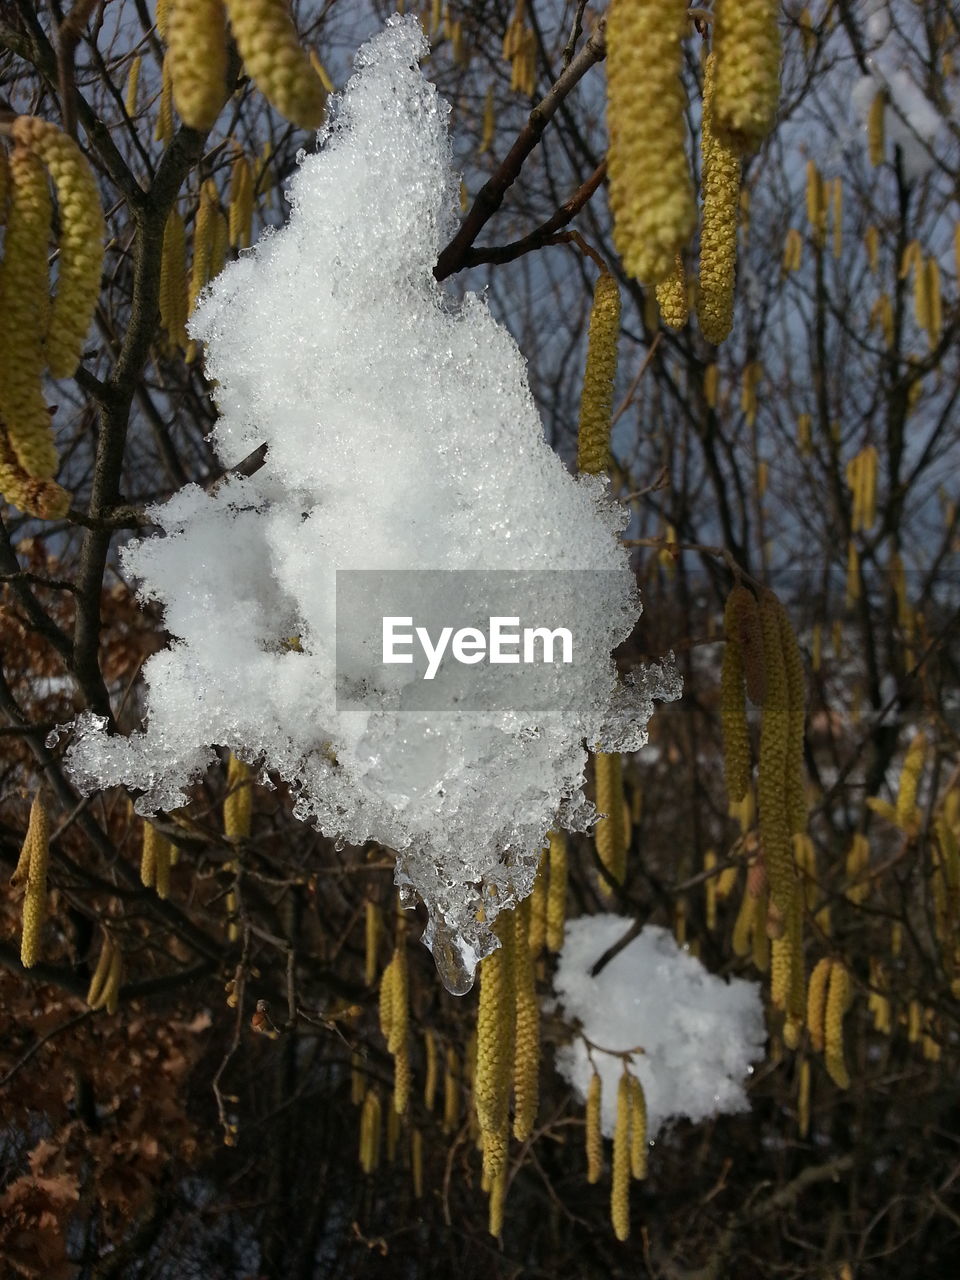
(32, 870)
(203, 237)
(399, 1038)
(838, 998)
(596, 401)
(371, 936)
(173, 281)
(796, 697)
(164, 128)
(775, 744)
(81, 239)
(275, 61)
(24, 314)
(638, 1129)
(526, 1071)
(610, 833)
(876, 133)
(746, 44)
(651, 192)
(557, 890)
(98, 980)
(495, 1054)
(733, 710)
(906, 806)
(593, 1135)
(241, 202)
(672, 296)
(718, 231)
(197, 41)
(620, 1184)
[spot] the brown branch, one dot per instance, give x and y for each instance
(491, 194)
(500, 254)
(68, 37)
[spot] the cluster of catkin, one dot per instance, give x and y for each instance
(395, 1018)
(927, 304)
(508, 1052)
(31, 873)
(104, 989)
(548, 902)
(762, 663)
(651, 188)
(38, 334)
(195, 67)
(629, 1159)
(157, 856)
(520, 50)
(828, 999)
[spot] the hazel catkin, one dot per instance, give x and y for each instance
(275, 60)
(24, 313)
(596, 401)
(593, 1135)
(610, 833)
(82, 233)
(197, 43)
(746, 44)
(733, 712)
(526, 1069)
(36, 856)
(651, 192)
(718, 230)
(620, 1185)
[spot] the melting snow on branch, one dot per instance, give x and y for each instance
(401, 433)
(698, 1033)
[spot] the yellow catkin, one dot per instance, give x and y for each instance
(817, 1002)
(871, 240)
(370, 1126)
(238, 801)
(526, 1070)
(498, 1196)
(744, 926)
(792, 251)
(489, 122)
(718, 230)
(173, 280)
(906, 806)
(620, 1185)
(775, 751)
(733, 712)
(746, 44)
(803, 1099)
(710, 888)
(155, 860)
(610, 832)
(838, 998)
(596, 401)
(164, 130)
(241, 202)
(537, 936)
(32, 871)
(399, 1041)
(431, 1070)
(203, 236)
(710, 385)
(638, 1129)
(796, 696)
(43, 498)
(162, 17)
(385, 1002)
(272, 54)
(557, 891)
(24, 313)
(836, 206)
(451, 1090)
(133, 84)
(197, 43)
(816, 204)
(220, 243)
(651, 192)
(593, 1135)
(857, 868)
(371, 938)
(876, 131)
(495, 1022)
(98, 978)
(672, 296)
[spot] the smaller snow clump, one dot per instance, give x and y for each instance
(401, 434)
(698, 1033)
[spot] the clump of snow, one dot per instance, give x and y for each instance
(698, 1033)
(401, 434)
(911, 121)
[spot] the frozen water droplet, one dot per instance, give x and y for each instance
(455, 959)
(52, 738)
